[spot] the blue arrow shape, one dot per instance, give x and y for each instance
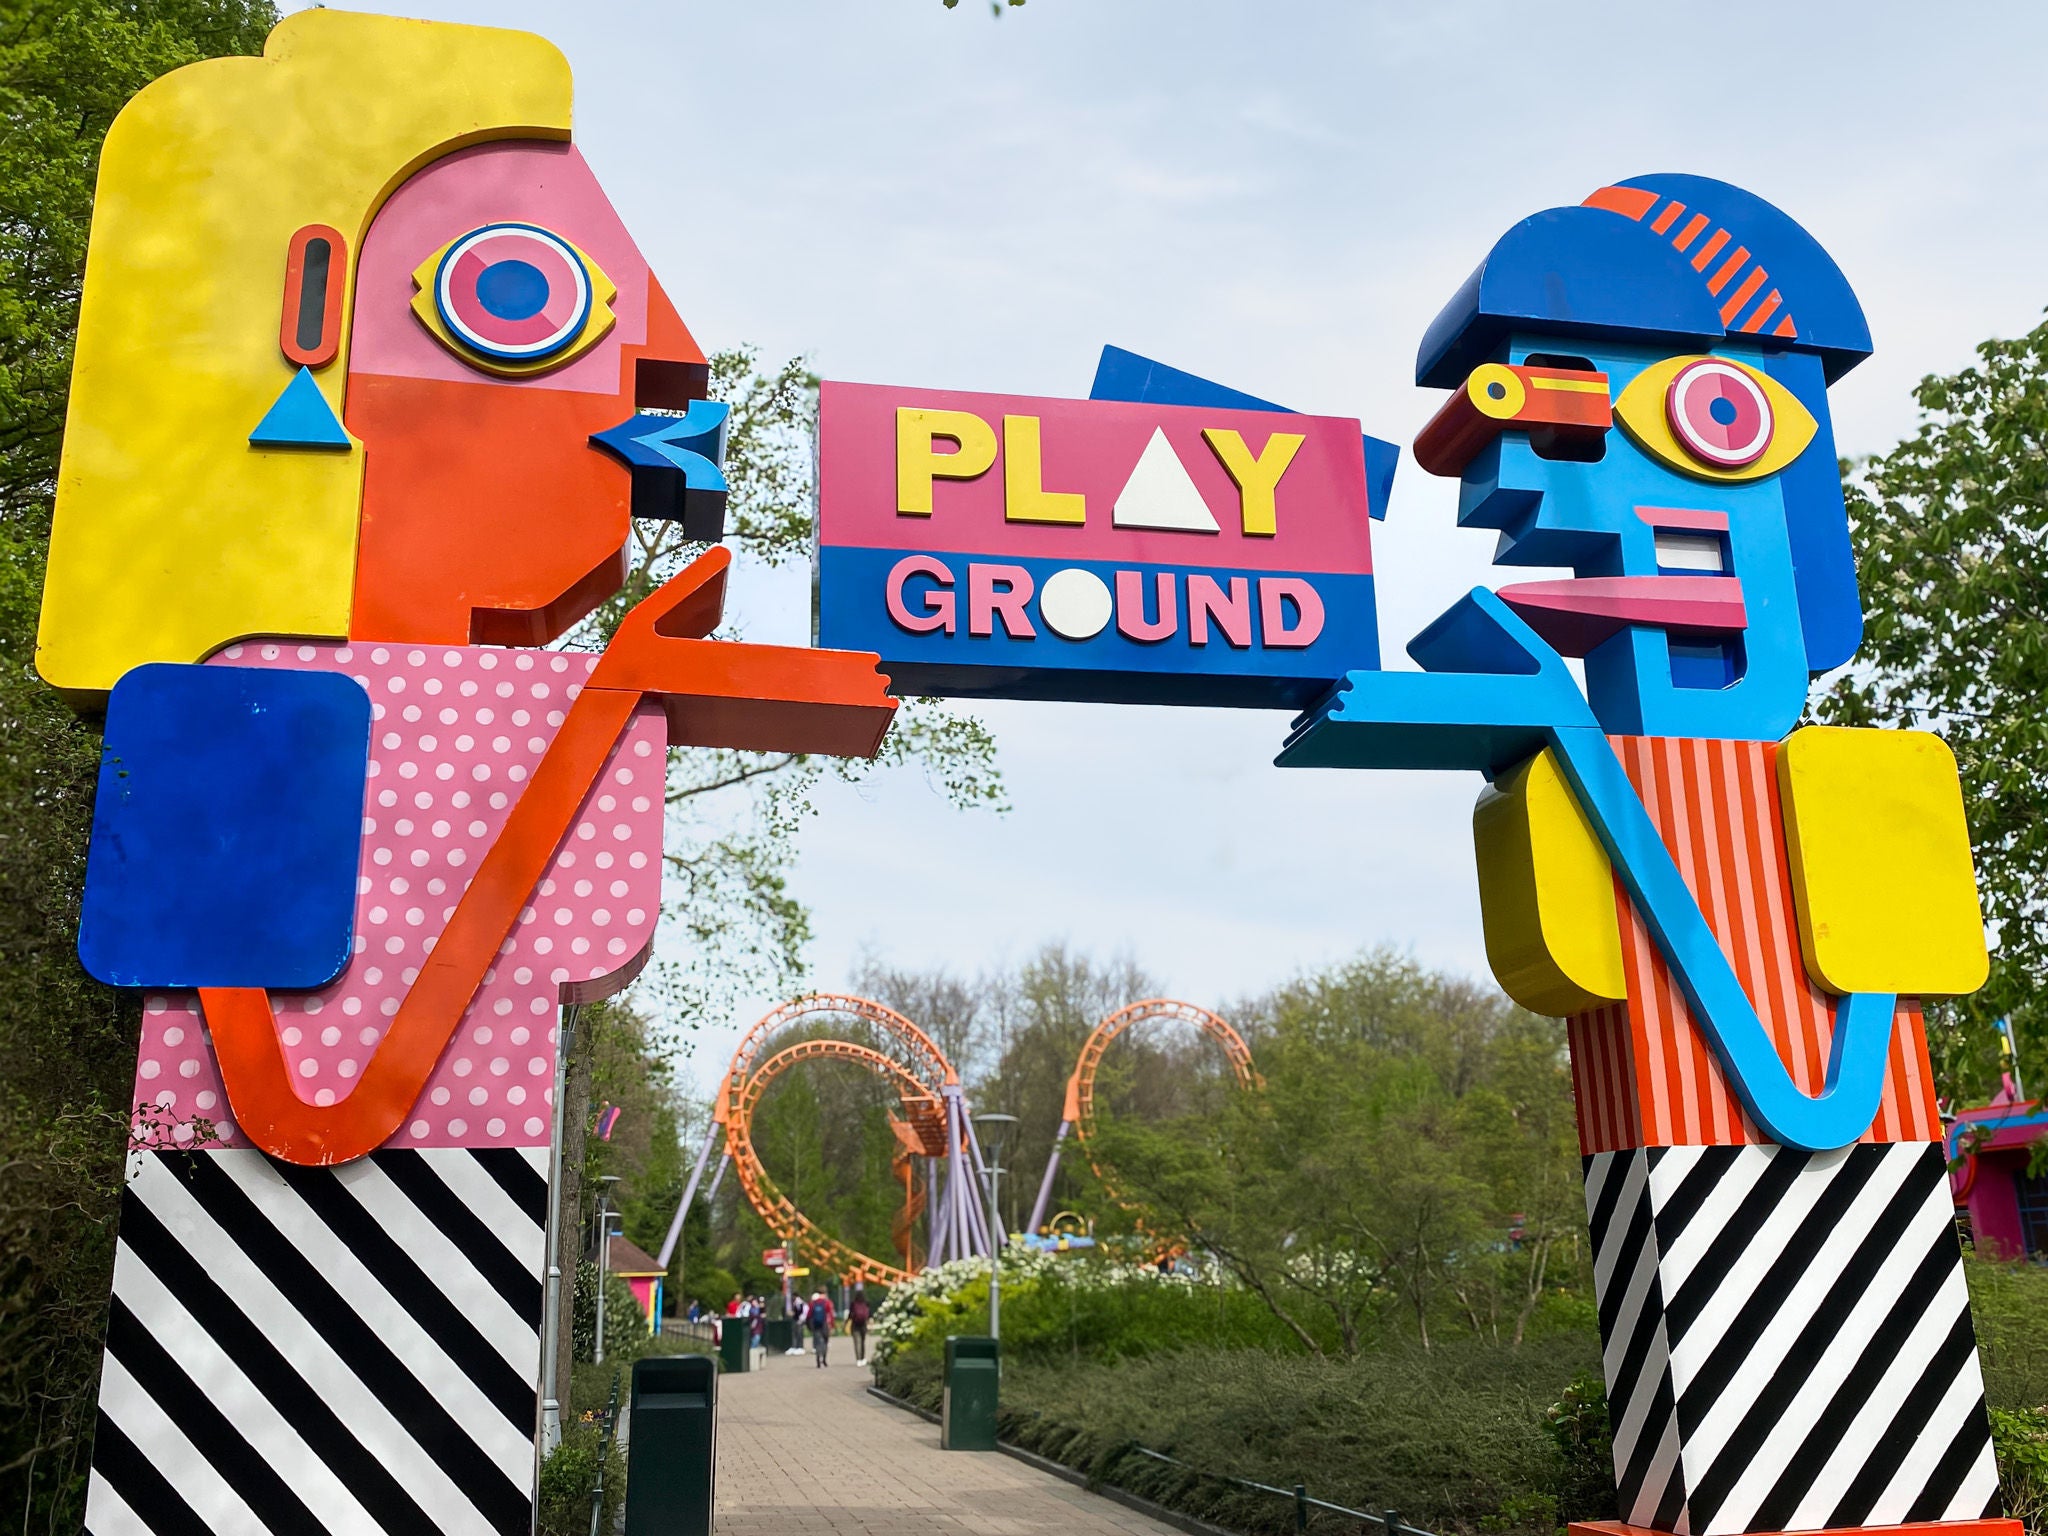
(675, 462)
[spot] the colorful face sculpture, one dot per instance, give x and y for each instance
(400, 444)
(370, 380)
(1656, 420)
(1736, 922)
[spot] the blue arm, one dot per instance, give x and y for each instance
(1494, 695)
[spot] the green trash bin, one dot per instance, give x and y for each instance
(968, 1420)
(735, 1349)
(777, 1334)
(670, 1463)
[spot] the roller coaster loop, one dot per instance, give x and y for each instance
(1079, 1114)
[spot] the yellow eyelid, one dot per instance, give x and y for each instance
(1639, 410)
(600, 320)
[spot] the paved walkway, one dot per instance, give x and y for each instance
(805, 1452)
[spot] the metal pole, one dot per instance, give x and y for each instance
(955, 1227)
(935, 1215)
(550, 1338)
(675, 1228)
(604, 1255)
(1052, 1168)
(711, 1194)
(995, 1255)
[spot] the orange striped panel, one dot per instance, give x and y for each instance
(1710, 250)
(1641, 1070)
(1690, 233)
(1729, 268)
(1743, 295)
(1629, 202)
(1764, 311)
(1667, 218)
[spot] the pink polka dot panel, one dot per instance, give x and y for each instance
(456, 733)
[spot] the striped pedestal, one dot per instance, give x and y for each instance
(296, 1351)
(1787, 1339)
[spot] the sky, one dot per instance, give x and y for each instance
(1279, 197)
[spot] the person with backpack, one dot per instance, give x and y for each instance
(857, 1314)
(818, 1317)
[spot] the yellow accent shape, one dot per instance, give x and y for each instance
(918, 461)
(1546, 894)
(173, 535)
(1880, 856)
(1025, 498)
(1257, 475)
(600, 319)
(1641, 413)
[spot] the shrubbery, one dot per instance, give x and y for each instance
(1074, 1308)
(1469, 1436)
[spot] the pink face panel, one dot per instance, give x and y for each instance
(548, 186)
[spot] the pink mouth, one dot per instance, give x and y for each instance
(1576, 616)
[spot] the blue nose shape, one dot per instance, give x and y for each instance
(675, 463)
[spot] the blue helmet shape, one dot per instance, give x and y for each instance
(1692, 263)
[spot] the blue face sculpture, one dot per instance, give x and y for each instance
(1704, 522)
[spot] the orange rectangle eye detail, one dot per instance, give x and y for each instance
(315, 272)
(1562, 402)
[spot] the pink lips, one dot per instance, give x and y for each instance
(1575, 616)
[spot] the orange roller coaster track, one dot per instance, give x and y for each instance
(922, 1109)
(936, 1121)
(1079, 1114)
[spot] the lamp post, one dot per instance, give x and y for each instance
(992, 1129)
(604, 1253)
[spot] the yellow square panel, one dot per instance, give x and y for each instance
(1880, 854)
(1546, 894)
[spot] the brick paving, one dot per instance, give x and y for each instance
(805, 1452)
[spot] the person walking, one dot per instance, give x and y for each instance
(857, 1315)
(819, 1319)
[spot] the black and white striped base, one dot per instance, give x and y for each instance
(1787, 1339)
(345, 1350)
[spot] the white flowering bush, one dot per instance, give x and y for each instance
(1043, 1293)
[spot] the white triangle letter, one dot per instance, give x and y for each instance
(1160, 493)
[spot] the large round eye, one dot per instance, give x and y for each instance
(513, 299)
(1720, 413)
(1714, 418)
(513, 292)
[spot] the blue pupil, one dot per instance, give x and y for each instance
(512, 290)
(1721, 408)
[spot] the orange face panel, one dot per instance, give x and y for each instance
(497, 533)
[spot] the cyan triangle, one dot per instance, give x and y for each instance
(300, 418)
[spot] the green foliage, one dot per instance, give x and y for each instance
(625, 1326)
(2020, 1438)
(1455, 1438)
(569, 1476)
(1584, 1437)
(1951, 538)
(1073, 1308)
(2009, 1303)
(67, 1045)
(1409, 1161)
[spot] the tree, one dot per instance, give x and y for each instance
(1409, 1155)
(67, 1044)
(1951, 536)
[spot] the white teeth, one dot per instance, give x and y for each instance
(1689, 552)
